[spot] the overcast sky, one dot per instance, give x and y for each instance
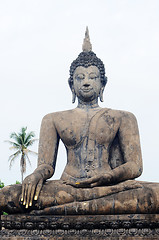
(39, 40)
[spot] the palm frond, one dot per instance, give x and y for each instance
(12, 158)
(26, 151)
(23, 133)
(14, 154)
(22, 140)
(16, 137)
(13, 143)
(23, 130)
(29, 136)
(28, 159)
(14, 148)
(13, 135)
(30, 142)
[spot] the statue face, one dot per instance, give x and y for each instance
(87, 83)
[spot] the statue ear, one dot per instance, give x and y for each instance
(101, 94)
(73, 95)
(72, 90)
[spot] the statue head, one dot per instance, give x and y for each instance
(86, 59)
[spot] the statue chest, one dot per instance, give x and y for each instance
(102, 131)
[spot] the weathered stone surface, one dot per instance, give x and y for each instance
(141, 226)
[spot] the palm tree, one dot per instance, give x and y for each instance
(22, 141)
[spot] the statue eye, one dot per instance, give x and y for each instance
(92, 76)
(80, 77)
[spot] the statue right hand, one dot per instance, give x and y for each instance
(98, 180)
(31, 188)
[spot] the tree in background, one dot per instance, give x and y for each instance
(22, 141)
(1, 184)
(17, 182)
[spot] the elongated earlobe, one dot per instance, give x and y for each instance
(101, 94)
(73, 96)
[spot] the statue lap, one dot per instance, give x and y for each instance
(58, 198)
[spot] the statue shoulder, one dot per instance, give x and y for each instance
(128, 116)
(121, 114)
(57, 116)
(124, 117)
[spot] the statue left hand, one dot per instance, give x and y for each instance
(95, 181)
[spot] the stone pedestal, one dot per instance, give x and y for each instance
(133, 226)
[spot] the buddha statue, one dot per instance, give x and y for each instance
(103, 155)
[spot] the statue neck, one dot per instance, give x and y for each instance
(88, 105)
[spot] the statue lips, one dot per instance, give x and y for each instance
(86, 89)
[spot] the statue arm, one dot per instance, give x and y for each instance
(130, 146)
(48, 146)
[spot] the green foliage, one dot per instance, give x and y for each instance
(1, 184)
(17, 182)
(20, 143)
(4, 213)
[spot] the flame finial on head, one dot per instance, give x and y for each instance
(85, 59)
(87, 46)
